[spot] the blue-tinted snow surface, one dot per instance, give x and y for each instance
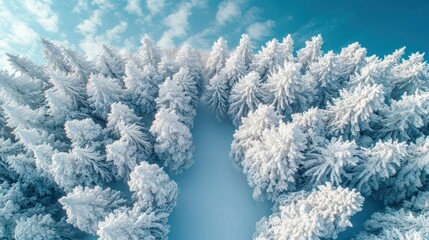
(215, 202)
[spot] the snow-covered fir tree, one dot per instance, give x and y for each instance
(217, 58)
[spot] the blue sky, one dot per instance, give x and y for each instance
(381, 26)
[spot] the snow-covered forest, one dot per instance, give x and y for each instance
(317, 132)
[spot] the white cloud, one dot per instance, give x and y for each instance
(155, 6)
(81, 5)
(259, 30)
(114, 33)
(227, 11)
(133, 6)
(45, 16)
(90, 25)
(177, 24)
(103, 4)
(16, 35)
(91, 44)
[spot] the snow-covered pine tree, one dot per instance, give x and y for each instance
(312, 217)
(148, 54)
(333, 162)
(188, 58)
(272, 164)
(410, 75)
(217, 58)
(120, 112)
(349, 62)
(54, 57)
(102, 92)
(28, 68)
(245, 97)
(352, 112)
(405, 119)
(172, 96)
(79, 64)
(217, 95)
(132, 147)
(173, 141)
(86, 207)
(286, 91)
(152, 188)
(286, 47)
(321, 75)
(141, 86)
(250, 131)
(376, 164)
(125, 224)
(407, 221)
(312, 52)
(269, 59)
(239, 61)
(110, 63)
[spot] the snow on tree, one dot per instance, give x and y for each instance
(410, 75)
(54, 57)
(410, 177)
(272, 165)
(120, 112)
(37, 227)
(321, 74)
(126, 224)
(149, 53)
(84, 133)
(312, 52)
(28, 68)
(79, 64)
(349, 61)
(286, 91)
(407, 221)
(405, 119)
(352, 111)
(43, 156)
(80, 167)
(132, 147)
(173, 96)
(173, 141)
(86, 207)
(332, 162)
(188, 57)
(217, 94)
(377, 71)
(250, 131)
(141, 86)
(167, 67)
(103, 91)
(189, 84)
(217, 58)
(269, 59)
(20, 89)
(239, 61)
(110, 63)
(67, 99)
(312, 125)
(152, 188)
(378, 163)
(323, 214)
(286, 47)
(245, 97)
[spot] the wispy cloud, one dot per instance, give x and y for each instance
(259, 30)
(177, 24)
(227, 11)
(133, 6)
(155, 6)
(16, 34)
(90, 25)
(45, 16)
(81, 5)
